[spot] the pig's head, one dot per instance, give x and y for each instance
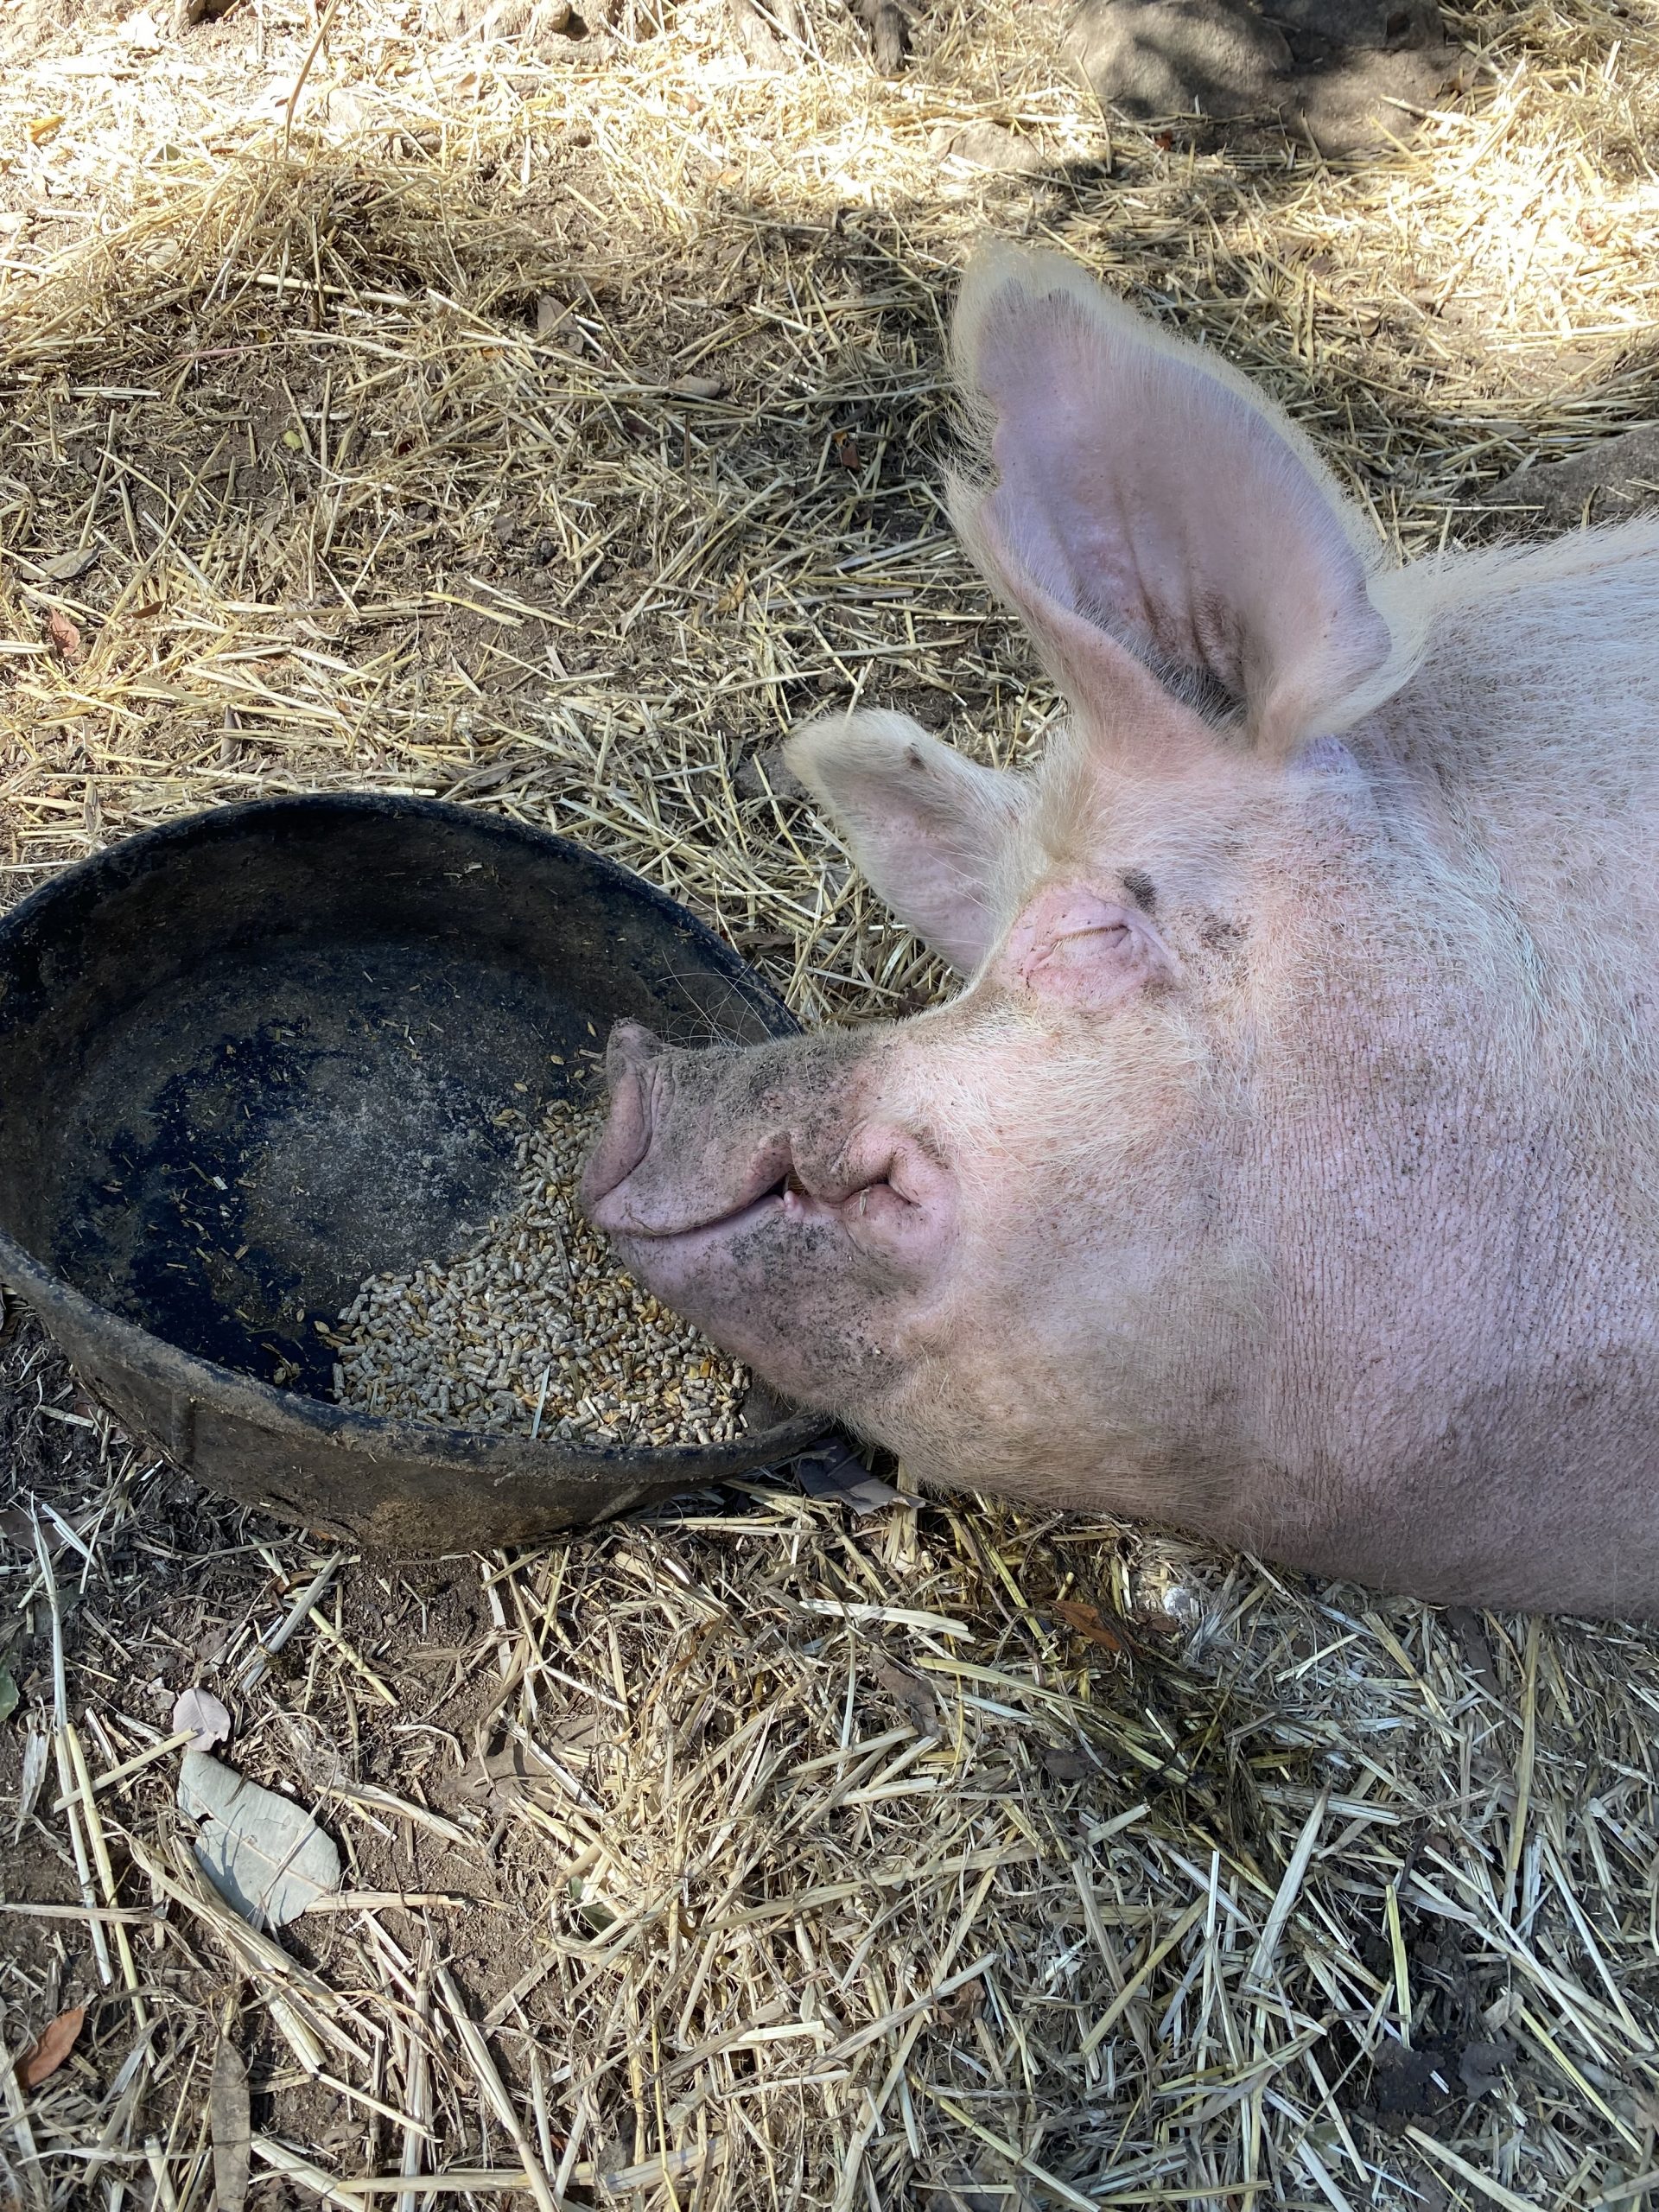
(1004, 1237)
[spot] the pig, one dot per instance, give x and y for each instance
(1285, 1168)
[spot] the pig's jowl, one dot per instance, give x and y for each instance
(1287, 1166)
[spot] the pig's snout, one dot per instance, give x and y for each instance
(626, 1139)
(702, 1151)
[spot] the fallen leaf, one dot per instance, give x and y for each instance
(912, 1692)
(34, 1775)
(666, 2166)
(56, 2043)
(847, 450)
(957, 2012)
(833, 1471)
(65, 567)
(229, 2116)
(517, 1771)
(149, 607)
(43, 127)
(1159, 1623)
(1089, 1622)
(7, 1693)
(700, 387)
(264, 1854)
(202, 1711)
(65, 636)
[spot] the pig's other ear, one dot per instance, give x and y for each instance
(1155, 516)
(927, 827)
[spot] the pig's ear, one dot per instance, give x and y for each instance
(1173, 542)
(927, 827)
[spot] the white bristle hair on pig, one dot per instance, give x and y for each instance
(1287, 1167)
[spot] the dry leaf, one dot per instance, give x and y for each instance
(520, 1771)
(262, 1854)
(833, 1470)
(65, 636)
(18, 1528)
(55, 2044)
(43, 128)
(507, 1776)
(912, 1692)
(202, 1711)
(699, 387)
(1087, 1622)
(33, 1774)
(666, 2166)
(65, 567)
(1160, 1622)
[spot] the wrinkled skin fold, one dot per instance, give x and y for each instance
(1286, 1167)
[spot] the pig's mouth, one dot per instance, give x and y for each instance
(688, 1195)
(768, 1196)
(650, 1182)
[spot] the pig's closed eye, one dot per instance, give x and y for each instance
(1073, 947)
(1118, 932)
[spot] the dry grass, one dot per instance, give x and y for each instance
(761, 1854)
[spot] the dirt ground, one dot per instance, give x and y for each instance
(548, 425)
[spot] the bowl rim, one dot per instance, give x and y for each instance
(305, 1419)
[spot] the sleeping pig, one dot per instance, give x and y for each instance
(1286, 1167)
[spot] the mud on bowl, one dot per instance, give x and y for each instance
(251, 1057)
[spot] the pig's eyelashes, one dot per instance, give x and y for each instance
(1114, 933)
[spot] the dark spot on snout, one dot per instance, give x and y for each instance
(1139, 884)
(1220, 935)
(913, 758)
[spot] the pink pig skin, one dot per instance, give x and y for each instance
(1287, 1167)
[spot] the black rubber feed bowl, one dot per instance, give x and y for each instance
(249, 1058)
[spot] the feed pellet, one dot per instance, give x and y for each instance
(535, 1329)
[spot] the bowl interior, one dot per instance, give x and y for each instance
(250, 1059)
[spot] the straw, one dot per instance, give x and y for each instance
(550, 431)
